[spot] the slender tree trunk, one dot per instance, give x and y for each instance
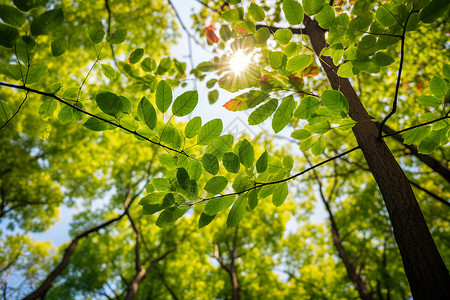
(354, 276)
(133, 286)
(234, 282)
(427, 274)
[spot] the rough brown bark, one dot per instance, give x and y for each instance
(427, 274)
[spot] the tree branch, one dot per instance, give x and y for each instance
(17, 111)
(51, 95)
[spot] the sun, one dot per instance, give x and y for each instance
(240, 61)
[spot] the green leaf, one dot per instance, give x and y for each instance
(5, 112)
(237, 211)
(170, 215)
(204, 220)
(347, 70)
(432, 141)
(109, 103)
(262, 35)
(216, 185)
(433, 10)
(25, 49)
(318, 146)
(246, 153)
(293, 12)
(46, 22)
(220, 146)
(96, 32)
(298, 63)
(135, 56)
(183, 177)
(312, 7)
(59, 46)
(36, 72)
(416, 135)
(300, 134)
(215, 205)
(11, 15)
(209, 132)
(438, 87)
(47, 108)
(117, 37)
(307, 108)
(163, 96)
(210, 163)
(256, 12)
(109, 72)
(288, 162)
(382, 59)
(170, 135)
(232, 15)
(185, 103)
(446, 71)
(253, 198)
(284, 113)
(195, 170)
(283, 36)
(277, 59)
(192, 127)
(65, 114)
(8, 35)
(231, 162)
(164, 65)
(153, 198)
(385, 16)
(213, 96)
(147, 113)
(429, 100)
(95, 124)
(280, 194)
(148, 64)
(335, 102)
(326, 17)
(261, 113)
(261, 163)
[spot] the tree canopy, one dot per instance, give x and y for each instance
(345, 195)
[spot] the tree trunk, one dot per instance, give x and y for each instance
(234, 282)
(427, 274)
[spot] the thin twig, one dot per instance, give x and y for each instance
(397, 86)
(18, 109)
(261, 184)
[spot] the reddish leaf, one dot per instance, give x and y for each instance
(311, 71)
(294, 77)
(340, 2)
(264, 78)
(242, 30)
(211, 35)
(233, 104)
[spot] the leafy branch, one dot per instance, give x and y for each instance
(418, 125)
(17, 111)
(52, 95)
(262, 184)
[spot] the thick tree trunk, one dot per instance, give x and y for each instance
(427, 274)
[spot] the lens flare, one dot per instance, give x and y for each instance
(239, 61)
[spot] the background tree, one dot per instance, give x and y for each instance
(192, 169)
